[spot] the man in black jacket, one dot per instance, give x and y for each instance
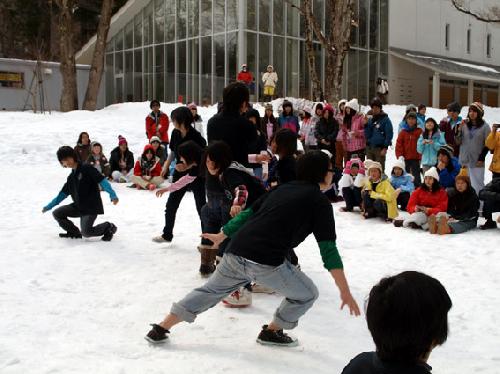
(491, 197)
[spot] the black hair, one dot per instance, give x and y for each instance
(421, 106)
(153, 102)
(286, 142)
(79, 141)
(233, 97)
(407, 316)
(220, 153)
(435, 186)
(191, 152)
(450, 166)
(318, 106)
(376, 102)
(307, 114)
(253, 113)
(183, 116)
(454, 107)
(354, 165)
(65, 152)
(434, 129)
(313, 166)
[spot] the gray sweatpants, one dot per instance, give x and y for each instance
(459, 227)
(234, 272)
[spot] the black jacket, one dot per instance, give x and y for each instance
(283, 171)
(176, 140)
(233, 177)
(257, 146)
(463, 206)
(491, 191)
(114, 160)
(327, 129)
(83, 186)
(369, 363)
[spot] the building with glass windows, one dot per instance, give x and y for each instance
(188, 50)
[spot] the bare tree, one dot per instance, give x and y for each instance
(97, 66)
(311, 56)
(492, 15)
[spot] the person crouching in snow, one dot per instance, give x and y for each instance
(462, 212)
(427, 200)
(402, 182)
(147, 170)
(98, 160)
(379, 198)
(351, 182)
(258, 253)
(83, 186)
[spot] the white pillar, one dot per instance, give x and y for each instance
(470, 91)
(436, 90)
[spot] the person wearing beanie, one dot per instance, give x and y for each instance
(287, 120)
(427, 200)
(462, 212)
(147, 170)
(406, 146)
(379, 198)
(352, 131)
(449, 125)
(490, 196)
(402, 182)
(429, 144)
(351, 183)
(447, 166)
(197, 120)
(306, 131)
(157, 124)
(493, 144)
(121, 162)
(327, 129)
(471, 137)
(159, 149)
(269, 80)
(269, 124)
(98, 160)
(378, 133)
(82, 147)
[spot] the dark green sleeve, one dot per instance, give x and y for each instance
(330, 255)
(235, 224)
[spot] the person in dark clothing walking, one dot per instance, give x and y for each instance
(256, 253)
(83, 186)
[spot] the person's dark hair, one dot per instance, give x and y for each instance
(421, 106)
(183, 116)
(220, 153)
(307, 114)
(318, 106)
(233, 97)
(407, 316)
(354, 165)
(449, 165)
(436, 186)
(191, 152)
(153, 102)
(454, 107)
(313, 166)
(434, 129)
(286, 142)
(253, 113)
(376, 102)
(65, 152)
(79, 141)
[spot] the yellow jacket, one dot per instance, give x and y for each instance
(384, 191)
(493, 143)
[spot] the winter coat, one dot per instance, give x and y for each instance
(282, 171)
(160, 153)
(236, 176)
(449, 128)
(472, 143)
(384, 191)
(100, 163)
(82, 152)
(383, 87)
(116, 157)
(406, 145)
(327, 129)
(353, 139)
(437, 200)
(491, 191)
(378, 131)
(245, 77)
(290, 122)
(269, 125)
(446, 176)
(493, 144)
(463, 205)
(257, 146)
(405, 182)
(145, 167)
(307, 131)
(421, 121)
(157, 125)
(429, 151)
(270, 79)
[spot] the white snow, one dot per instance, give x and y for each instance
(482, 68)
(84, 306)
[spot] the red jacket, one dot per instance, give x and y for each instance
(245, 76)
(437, 201)
(143, 167)
(406, 145)
(157, 126)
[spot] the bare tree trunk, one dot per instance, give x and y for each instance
(492, 15)
(317, 90)
(69, 95)
(97, 66)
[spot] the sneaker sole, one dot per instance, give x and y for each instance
(235, 306)
(156, 341)
(295, 343)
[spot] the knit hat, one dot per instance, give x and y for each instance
(369, 164)
(454, 107)
(329, 108)
(95, 143)
(192, 106)
(269, 107)
(343, 101)
(464, 176)
(478, 107)
(446, 150)
(399, 163)
(308, 109)
(353, 104)
(432, 172)
(121, 140)
(411, 115)
(154, 139)
(411, 107)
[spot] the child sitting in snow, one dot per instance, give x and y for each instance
(379, 198)
(147, 170)
(351, 183)
(402, 183)
(98, 160)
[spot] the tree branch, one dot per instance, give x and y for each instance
(459, 5)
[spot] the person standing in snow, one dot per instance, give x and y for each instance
(327, 129)
(493, 144)
(258, 254)
(269, 124)
(245, 77)
(406, 147)
(411, 108)
(288, 120)
(197, 120)
(83, 185)
(121, 162)
(402, 182)
(422, 110)
(98, 160)
(306, 132)
(378, 133)
(157, 124)
(429, 143)
(382, 90)
(449, 125)
(340, 153)
(352, 133)
(269, 79)
(82, 147)
(257, 151)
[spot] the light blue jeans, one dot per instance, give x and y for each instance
(234, 272)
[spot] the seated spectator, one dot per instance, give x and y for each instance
(159, 149)
(351, 183)
(406, 147)
(98, 160)
(82, 147)
(493, 144)
(121, 162)
(427, 200)
(402, 183)
(429, 143)
(147, 170)
(379, 198)
(490, 194)
(448, 166)
(407, 316)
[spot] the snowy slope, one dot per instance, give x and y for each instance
(84, 306)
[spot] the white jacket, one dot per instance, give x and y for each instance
(270, 79)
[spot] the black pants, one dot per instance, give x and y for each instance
(496, 175)
(174, 200)
(88, 229)
(413, 167)
(374, 207)
(403, 199)
(352, 197)
(490, 207)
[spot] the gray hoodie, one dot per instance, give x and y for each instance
(471, 142)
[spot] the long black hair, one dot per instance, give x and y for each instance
(435, 186)
(183, 116)
(434, 129)
(220, 153)
(79, 141)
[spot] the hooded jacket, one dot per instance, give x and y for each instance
(493, 144)
(437, 200)
(145, 167)
(327, 129)
(405, 182)
(157, 125)
(406, 145)
(379, 131)
(447, 177)
(384, 191)
(353, 139)
(429, 151)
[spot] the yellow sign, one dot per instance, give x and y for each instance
(11, 77)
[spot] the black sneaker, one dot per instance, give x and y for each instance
(278, 337)
(70, 236)
(108, 235)
(488, 225)
(157, 335)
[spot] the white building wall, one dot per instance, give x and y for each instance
(408, 83)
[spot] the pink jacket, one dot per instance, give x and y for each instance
(353, 140)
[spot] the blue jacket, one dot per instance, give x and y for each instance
(405, 182)
(446, 177)
(290, 122)
(378, 131)
(429, 151)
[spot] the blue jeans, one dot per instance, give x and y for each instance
(234, 272)
(214, 215)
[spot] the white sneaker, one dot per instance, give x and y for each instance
(259, 288)
(160, 239)
(238, 299)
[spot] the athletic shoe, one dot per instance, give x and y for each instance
(108, 235)
(70, 236)
(488, 225)
(151, 187)
(238, 299)
(277, 337)
(433, 223)
(160, 239)
(157, 335)
(259, 288)
(413, 225)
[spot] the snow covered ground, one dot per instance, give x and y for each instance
(84, 306)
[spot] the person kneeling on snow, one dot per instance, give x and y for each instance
(402, 182)
(429, 199)
(147, 170)
(379, 198)
(259, 254)
(83, 186)
(351, 182)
